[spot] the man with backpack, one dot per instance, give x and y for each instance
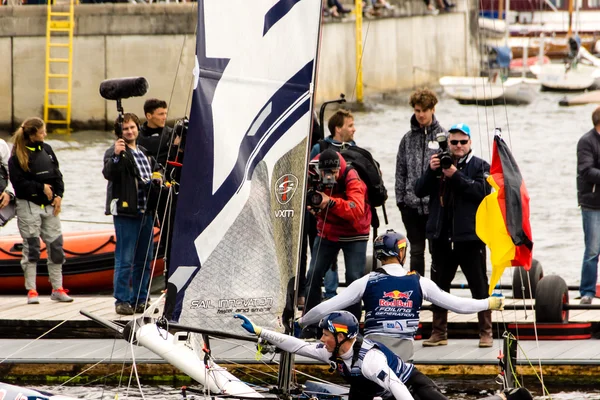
(343, 223)
(341, 128)
(341, 139)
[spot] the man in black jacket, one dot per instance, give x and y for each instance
(588, 197)
(128, 170)
(455, 188)
(154, 136)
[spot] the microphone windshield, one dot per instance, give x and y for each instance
(123, 88)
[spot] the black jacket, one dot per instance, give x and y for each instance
(588, 170)
(461, 195)
(122, 175)
(156, 142)
(43, 169)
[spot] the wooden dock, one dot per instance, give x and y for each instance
(54, 338)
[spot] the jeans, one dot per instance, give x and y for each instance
(133, 253)
(331, 281)
(324, 254)
(591, 235)
(415, 232)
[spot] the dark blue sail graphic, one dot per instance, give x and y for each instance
(201, 197)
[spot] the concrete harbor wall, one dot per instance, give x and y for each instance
(158, 42)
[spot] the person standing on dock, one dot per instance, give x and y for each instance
(35, 175)
(393, 297)
(128, 170)
(415, 150)
(588, 197)
(455, 183)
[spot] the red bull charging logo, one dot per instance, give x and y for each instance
(396, 298)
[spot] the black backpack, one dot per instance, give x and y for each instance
(368, 169)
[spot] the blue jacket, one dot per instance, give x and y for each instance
(461, 194)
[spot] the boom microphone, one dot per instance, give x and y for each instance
(123, 88)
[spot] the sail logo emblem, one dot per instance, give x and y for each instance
(285, 188)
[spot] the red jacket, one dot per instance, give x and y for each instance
(349, 219)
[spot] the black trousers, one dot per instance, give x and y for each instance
(415, 232)
(469, 255)
(423, 388)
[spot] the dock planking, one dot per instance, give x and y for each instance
(14, 349)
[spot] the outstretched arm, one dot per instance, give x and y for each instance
(462, 305)
(376, 369)
(285, 342)
(351, 295)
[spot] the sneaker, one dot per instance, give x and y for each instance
(32, 297)
(61, 295)
(486, 341)
(586, 300)
(123, 309)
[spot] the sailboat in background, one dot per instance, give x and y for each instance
(571, 74)
(238, 222)
(497, 88)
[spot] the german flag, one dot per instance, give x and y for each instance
(502, 220)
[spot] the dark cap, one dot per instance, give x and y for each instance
(328, 160)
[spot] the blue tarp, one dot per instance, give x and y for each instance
(503, 56)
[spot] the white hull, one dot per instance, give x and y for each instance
(554, 76)
(480, 89)
(180, 353)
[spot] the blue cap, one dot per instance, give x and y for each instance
(462, 128)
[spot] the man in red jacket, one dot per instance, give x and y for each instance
(343, 223)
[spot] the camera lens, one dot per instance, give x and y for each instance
(315, 199)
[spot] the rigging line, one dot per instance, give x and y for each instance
(134, 369)
(172, 137)
(33, 341)
(535, 331)
(238, 345)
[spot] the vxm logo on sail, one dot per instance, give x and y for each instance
(285, 188)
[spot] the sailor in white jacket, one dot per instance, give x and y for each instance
(393, 297)
(369, 367)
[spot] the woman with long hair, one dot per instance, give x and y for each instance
(38, 184)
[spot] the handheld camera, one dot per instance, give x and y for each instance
(444, 154)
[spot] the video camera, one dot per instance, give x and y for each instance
(318, 181)
(444, 154)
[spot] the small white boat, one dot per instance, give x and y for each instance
(557, 77)
(489, 91)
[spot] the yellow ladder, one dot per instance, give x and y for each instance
(59, 65)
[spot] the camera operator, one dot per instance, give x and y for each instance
(455, 183)
(343, 223)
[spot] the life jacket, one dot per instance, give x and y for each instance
(361, 387)
(392, 304)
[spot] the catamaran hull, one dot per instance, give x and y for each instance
(481, 90)
(554, 77)
(11, 392)
(176, 351)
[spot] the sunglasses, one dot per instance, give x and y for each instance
(456, 142)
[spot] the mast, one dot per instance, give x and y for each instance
(570, 31)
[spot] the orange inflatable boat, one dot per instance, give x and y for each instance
(88, 267)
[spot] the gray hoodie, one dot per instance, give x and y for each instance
(413, 157)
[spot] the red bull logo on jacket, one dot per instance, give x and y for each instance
(396, 298)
